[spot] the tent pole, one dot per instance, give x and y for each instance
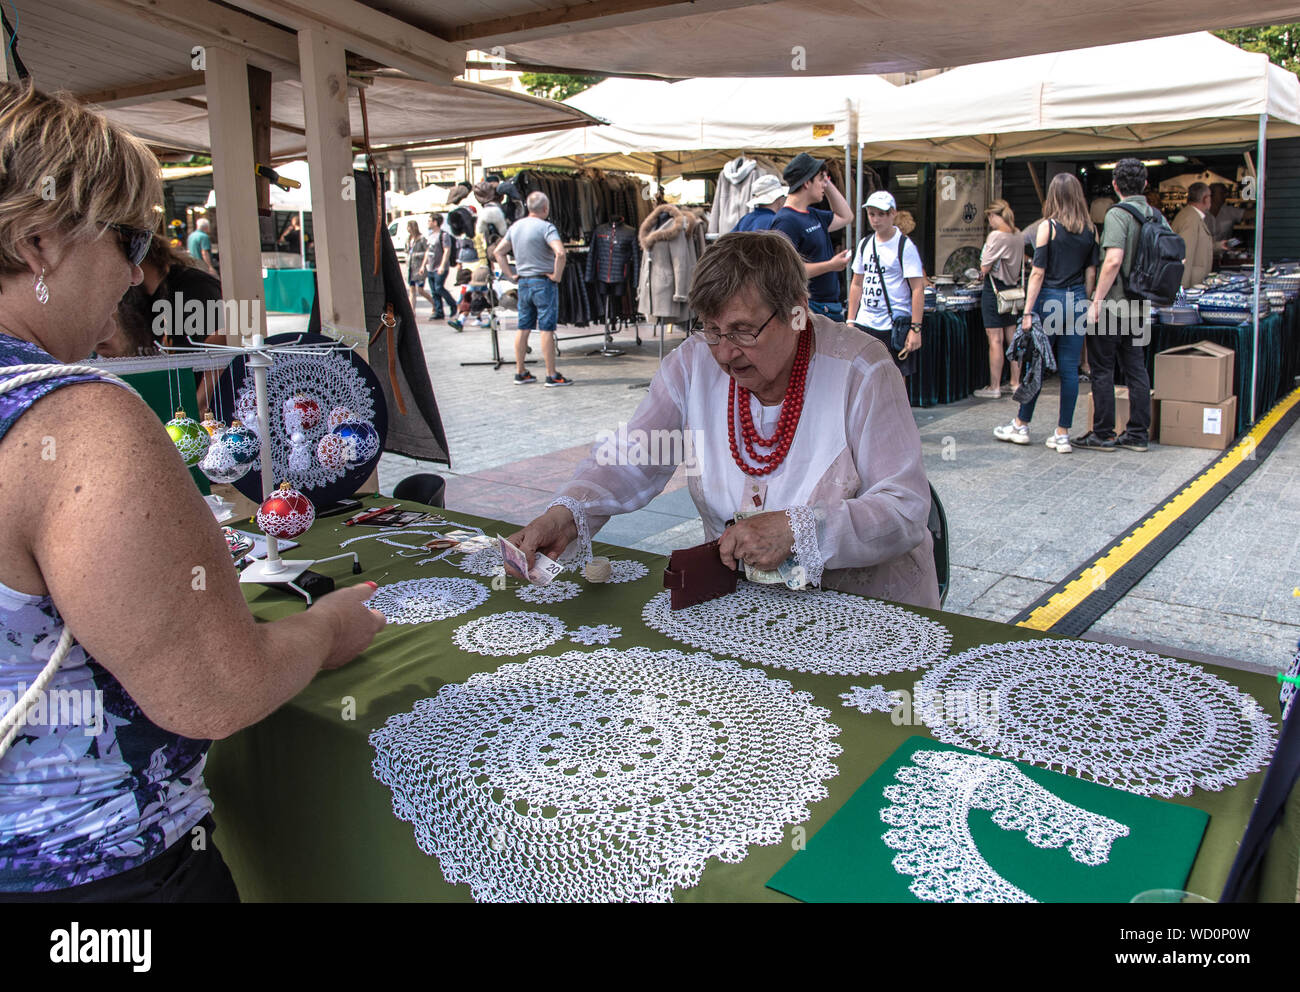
(857, 206)
(302, 240)
(850, 193)
(1259, 259)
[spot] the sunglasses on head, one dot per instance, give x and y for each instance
(134, 240)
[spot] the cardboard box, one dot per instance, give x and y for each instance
(1198, 425)
(1121, 410)
(1195, 373)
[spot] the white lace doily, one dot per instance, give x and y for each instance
(601, 633)
(603, 776)
(1124, 718)
(331, 381)
(876, 699)
(485, 562)
(930, 812)
(821, 632)
(556, 591)
(627, 570)
(423, 600)
(502, 634)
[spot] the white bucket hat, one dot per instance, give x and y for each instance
(765, 190)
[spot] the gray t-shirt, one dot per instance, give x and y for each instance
(530, 239)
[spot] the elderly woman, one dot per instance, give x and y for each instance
(105, 533)
(796, 416)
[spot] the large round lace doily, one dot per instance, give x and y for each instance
(1124, 718)
(823, 633)
(329, 379)
(423, 600)
(930, 813)
(501, 634)
(613, 775)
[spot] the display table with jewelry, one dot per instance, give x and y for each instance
(580, 740)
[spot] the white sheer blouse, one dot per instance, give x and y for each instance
(853, 483)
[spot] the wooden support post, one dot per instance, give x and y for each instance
(259, 109)
(333, 191)
(231, 130)
(1038, 187)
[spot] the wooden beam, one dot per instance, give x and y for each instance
(190, 84)
(369, 33)
(582, 17)
(259, 112)
(1038, 187)
(277, 125)
(231, 129)
(333, 194)
(513, 66)
(204, 23)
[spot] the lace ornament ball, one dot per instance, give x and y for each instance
(515, 632)
(242, 442)
(286, 513)
(930, 811)
(219, 463)
(426, 600)
(819, 632)
(609, 776)
(191, 440)
(360, 441)
(1110, 714)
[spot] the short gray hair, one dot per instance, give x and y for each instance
(763, 260)
(1197, 192)
(202, 224)
(537, 201)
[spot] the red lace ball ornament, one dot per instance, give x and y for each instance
(302, 412)
(285, 513)
(332, 452)
(787, 423)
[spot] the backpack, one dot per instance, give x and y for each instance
(1157, 270)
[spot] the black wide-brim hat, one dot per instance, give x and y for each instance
(801, 168)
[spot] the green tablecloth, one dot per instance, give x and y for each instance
(289, 290)
(301, 817)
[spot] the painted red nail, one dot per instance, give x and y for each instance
(372, 585)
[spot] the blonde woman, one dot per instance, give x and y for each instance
(1001, 263)
(1065, 271)
(99, 545)
(417, 247)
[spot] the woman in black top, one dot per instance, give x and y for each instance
(1065, 271)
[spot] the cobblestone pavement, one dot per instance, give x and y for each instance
(1021, 517)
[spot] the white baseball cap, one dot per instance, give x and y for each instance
(882, 200)
(765, 190)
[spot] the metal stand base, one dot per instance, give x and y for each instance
(284, 571)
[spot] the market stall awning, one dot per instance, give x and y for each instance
(401, 113)
(696, 124)
(1188, 91)
(684, 38)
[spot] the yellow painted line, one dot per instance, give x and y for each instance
(1093, 578)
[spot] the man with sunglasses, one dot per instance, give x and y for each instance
(200, 245)
(802, 441)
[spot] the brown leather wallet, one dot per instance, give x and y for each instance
(696, 575)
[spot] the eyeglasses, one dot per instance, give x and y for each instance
(134, 240)
(741, 338)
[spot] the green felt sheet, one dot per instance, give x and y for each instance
(848, 860)
(300, 815)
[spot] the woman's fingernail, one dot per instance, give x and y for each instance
(372, 585)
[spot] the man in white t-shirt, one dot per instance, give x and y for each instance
(874, 304)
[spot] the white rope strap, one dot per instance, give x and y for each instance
(25, 376)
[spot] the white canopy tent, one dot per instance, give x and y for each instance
(1187, 91)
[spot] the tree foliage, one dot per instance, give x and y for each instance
(554, 85)
(1280, 42)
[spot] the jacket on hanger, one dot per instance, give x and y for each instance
(670, 241)
(615, 255)
(731, 197)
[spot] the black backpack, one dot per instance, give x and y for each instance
(1157, 270)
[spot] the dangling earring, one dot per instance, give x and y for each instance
(42, 290)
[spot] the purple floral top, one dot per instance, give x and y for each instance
(91, 786)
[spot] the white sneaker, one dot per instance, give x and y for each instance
(989, 393)
(1059, 443)
(1010, 432)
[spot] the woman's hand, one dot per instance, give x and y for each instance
(550, 534)
(764, 541)
(1027, 321)
(355, 626)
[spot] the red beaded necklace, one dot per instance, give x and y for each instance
(791, 408)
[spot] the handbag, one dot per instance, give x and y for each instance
(899, 326)
(1010, 300)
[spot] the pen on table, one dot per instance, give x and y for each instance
(362, 518)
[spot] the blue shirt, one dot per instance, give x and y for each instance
(758, 219)
(809, 232)
(197, 244)
(91, 787)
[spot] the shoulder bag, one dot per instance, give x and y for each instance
(1010, 300)
(899, 326)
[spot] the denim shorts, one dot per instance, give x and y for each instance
(539, 303)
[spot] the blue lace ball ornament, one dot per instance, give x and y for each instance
(361, 440)
(243, 443)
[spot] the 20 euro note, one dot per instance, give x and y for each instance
(543, 570)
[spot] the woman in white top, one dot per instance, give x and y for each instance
(1001, 264)
(777, 411)
(886, 289)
